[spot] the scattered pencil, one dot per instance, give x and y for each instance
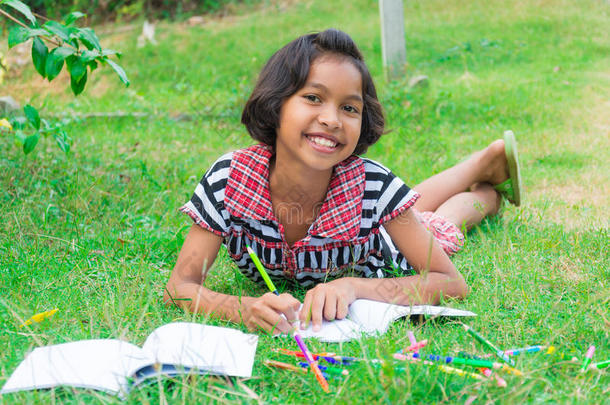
(467, 362)
(284, 366)
(442, 367)
(600, 365)
(312, 363)
(415, 347)
(411, 336)
(490, 374)
(529, 349)
(490, 345)
(588, 358)
(328, 369)
(39, 317)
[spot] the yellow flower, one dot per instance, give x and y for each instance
(5, 124)
(39, 317)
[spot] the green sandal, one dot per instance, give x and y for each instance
(512, 187)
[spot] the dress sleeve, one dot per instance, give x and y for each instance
(206, 207)
(394, 198)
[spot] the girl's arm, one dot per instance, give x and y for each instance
(436, 275)
(185, 289)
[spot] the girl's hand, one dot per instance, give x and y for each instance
(329, 300)
(264, 313)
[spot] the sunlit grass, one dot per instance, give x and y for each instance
(96, 233)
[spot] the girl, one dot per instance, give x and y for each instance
(317, 214)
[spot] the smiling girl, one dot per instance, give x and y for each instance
(318, 214)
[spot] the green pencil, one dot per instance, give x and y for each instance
(262, 270)
(490, 345)
(601, 364)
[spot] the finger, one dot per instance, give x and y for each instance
(317, 306)
(305, 314)
(289, 307)
(283, 304)
(342, 307)
(278, 322)
(330, 306)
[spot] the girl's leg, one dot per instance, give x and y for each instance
(469, 208)
(486, 166)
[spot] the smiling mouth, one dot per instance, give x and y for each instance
(321, 141)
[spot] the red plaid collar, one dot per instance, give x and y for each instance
(247, 193)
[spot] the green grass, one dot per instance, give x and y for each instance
(96, 233)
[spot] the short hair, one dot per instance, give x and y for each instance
(286, 72)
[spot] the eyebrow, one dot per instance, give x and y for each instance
(320, 86)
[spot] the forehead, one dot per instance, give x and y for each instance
(335, 73)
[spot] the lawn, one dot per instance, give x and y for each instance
(95, 233)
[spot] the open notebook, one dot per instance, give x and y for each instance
(116, 366)
(372, 317)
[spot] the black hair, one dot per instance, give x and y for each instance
(286, 72)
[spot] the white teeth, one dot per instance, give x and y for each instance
(323, 141)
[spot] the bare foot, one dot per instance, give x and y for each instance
(493, 164)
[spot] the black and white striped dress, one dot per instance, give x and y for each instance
(346, 239)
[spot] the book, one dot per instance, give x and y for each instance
(373, 317)
(116, 366)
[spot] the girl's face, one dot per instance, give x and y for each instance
(320, 124)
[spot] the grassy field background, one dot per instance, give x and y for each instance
(96, 232)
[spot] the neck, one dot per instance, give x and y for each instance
(297, 186)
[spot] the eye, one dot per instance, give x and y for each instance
(312, 97)
(351, 109)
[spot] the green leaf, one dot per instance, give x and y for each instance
(17, 35)
(39, 55)
(76, 66)
(30, 143)
(78, 85)
(58, 29)
(88, 37)
(88, 56)
(120, 71)
(62, 140)
(19, 137)
(92, 65)
(73, 16)
(22, 8)
(32, 115)
(55, 61)
(37, 32)
(108, 52)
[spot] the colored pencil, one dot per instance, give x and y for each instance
(285, 366)
(312, 363)
(415, 347)
(262, 271)
(467, 362)
(529, 349)
(442, 367)
(411, 336)
(601, 364)
(490, 374)
(295, 334)
(328, 369)
(588, 358)
(329, 357)
(490, 345)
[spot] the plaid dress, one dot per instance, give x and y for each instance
(232, 200)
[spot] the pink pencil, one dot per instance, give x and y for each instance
(415, 347)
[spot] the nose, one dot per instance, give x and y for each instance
(329, 118)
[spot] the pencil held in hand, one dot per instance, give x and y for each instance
(262, 271)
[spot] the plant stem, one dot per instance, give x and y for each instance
(10, 17)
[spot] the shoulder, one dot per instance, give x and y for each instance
(377, 174)
(219, 170)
